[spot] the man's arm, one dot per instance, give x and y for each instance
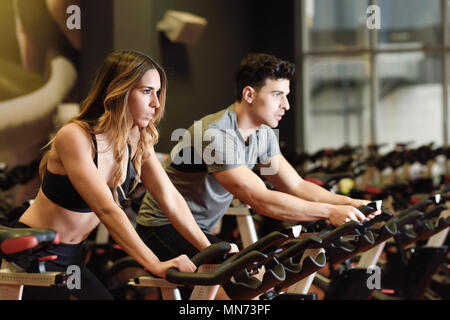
(286, 179)
(248, 187)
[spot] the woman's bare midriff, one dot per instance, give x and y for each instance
(73, 227)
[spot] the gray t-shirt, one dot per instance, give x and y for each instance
(211, 144)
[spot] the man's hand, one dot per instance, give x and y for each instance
(360, 202)
(342, 214)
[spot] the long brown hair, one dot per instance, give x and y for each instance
(105, 108)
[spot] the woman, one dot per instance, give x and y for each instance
(86, 172)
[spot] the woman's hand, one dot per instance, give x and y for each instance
(182, 263)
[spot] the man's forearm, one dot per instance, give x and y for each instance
(284, 206)
(309, 191)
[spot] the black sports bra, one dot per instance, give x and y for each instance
(60, 190)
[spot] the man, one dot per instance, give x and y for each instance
(213, 163)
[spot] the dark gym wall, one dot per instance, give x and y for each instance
(96, 39)
(201, 76)
(274, 33)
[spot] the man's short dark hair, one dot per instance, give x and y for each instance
(256, 68)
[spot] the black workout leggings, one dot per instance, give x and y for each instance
(68, 254)
(167, 243)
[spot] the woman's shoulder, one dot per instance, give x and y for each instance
(72, 134)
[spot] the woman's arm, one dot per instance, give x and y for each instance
(157, 182)
(73, 147)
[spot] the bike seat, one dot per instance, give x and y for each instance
(17, 240)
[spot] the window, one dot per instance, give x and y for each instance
(338, 106)
(384, 85)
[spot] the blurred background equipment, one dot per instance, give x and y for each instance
(183, 27)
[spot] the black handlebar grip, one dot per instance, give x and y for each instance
(215, 253)
(442, 224)
(298, 247)
(388, 230)
(248, 257)
(418, 206)
(377, 205)
(435, 212)
(436, 198)
(385, 215)
(366, 210)
(272, 239)
(292, 232)
(370, 207)
(407, 218)
(328, 237)
(223, 272)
